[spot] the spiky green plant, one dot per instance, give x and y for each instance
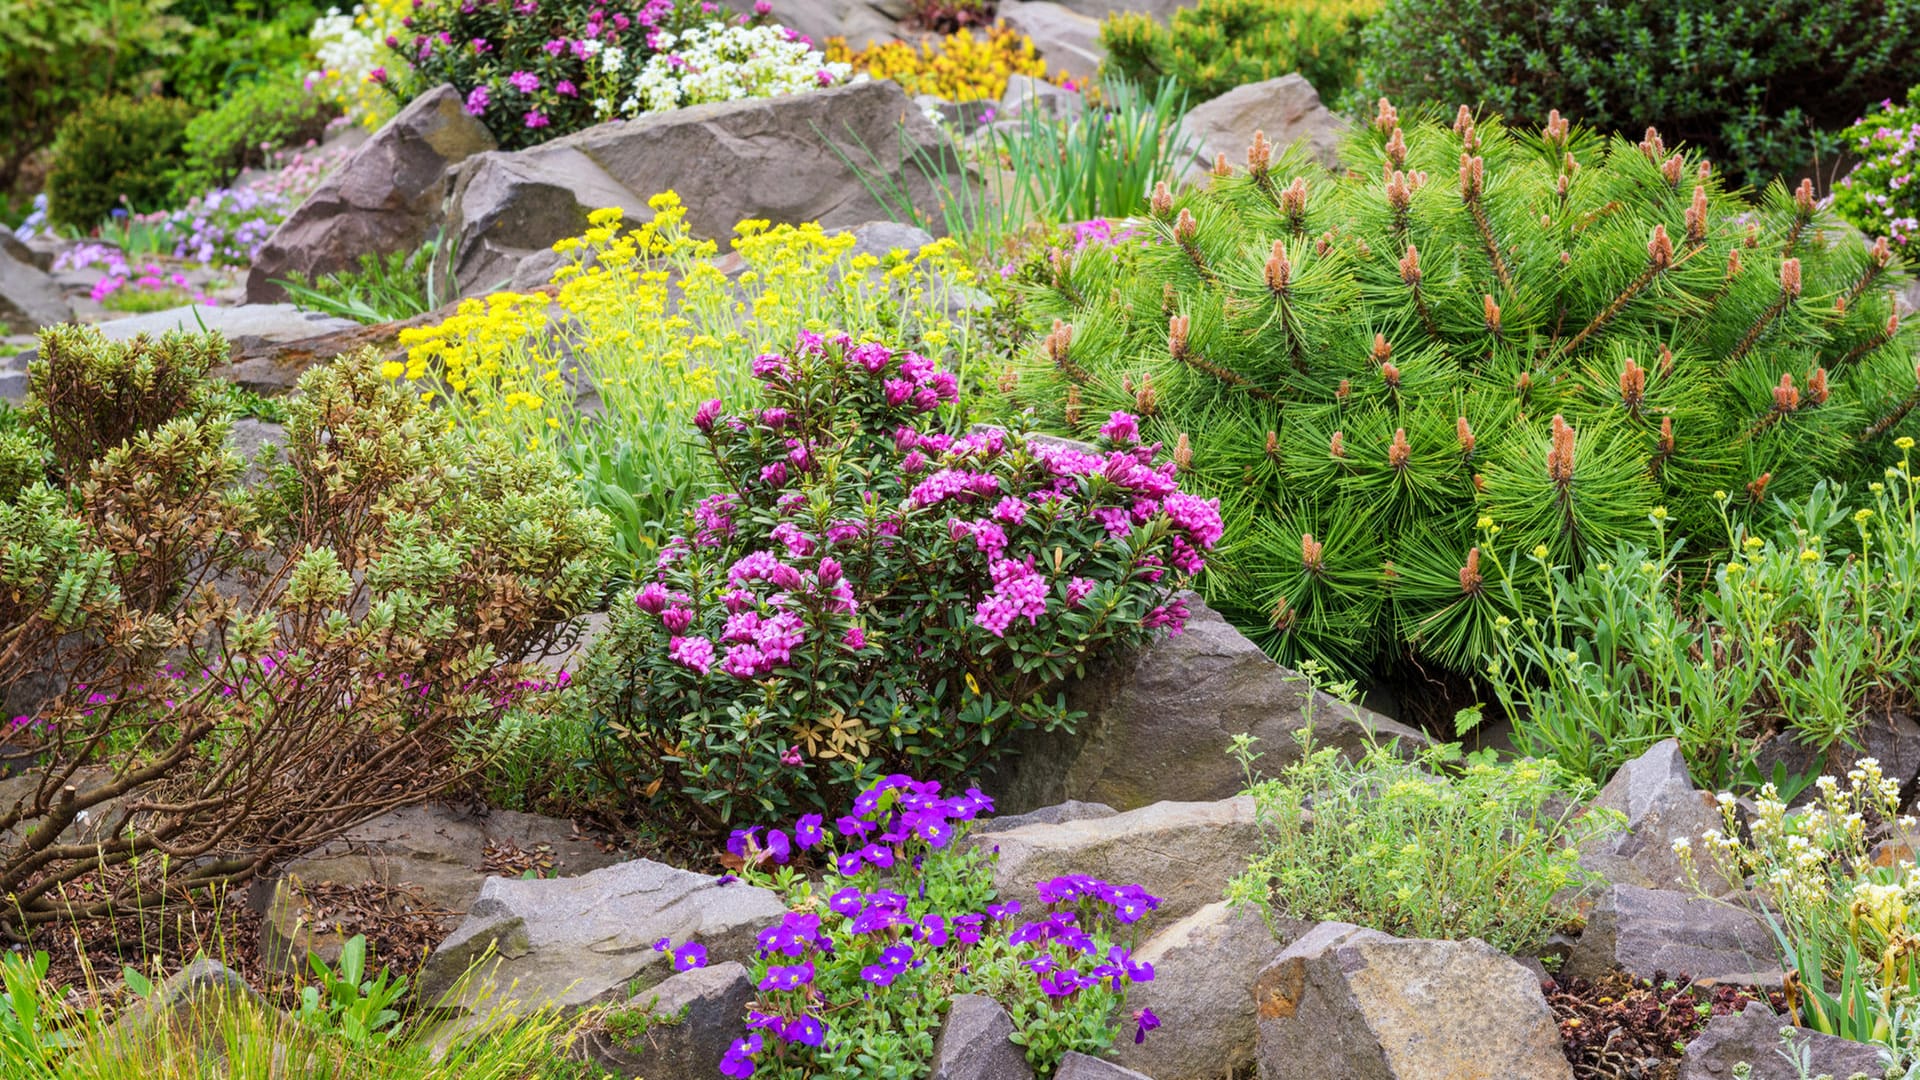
(1474, 343)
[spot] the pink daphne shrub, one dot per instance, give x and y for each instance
(874, 591)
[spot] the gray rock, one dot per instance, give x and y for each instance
(861, 22)
(1204, 969)
(186, 995)
(689, 1021)
(1100, 9)
(1753, 1037)
(1159, 722)
(570, 942)
(17, 248)
(1907, 300)
(1892, 738)
(784, 159)
(1659, 804)
(1066, 39)
(973, 1043)
(435, 850)
(243, 325)
(1287, 110)
(1345, 1003)
(1026, 93)
(882, 238)
(1644, 931)
(1058, 814)
(1075, 1065)
(385, 197)
(29, 299)
(1183, 853)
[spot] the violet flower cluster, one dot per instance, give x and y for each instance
(879, 921)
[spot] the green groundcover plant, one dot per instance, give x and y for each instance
(116, 155)
(1545, 330)
(1882, 193)
(855, 979)
(1432, 845)
(869, 592)
(1762, 87)
(1808, 633)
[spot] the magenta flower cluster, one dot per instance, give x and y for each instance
(868, 561)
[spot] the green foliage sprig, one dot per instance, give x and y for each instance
(1545, 333)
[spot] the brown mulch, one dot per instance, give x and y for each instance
(400, 929)
(1620, 1028)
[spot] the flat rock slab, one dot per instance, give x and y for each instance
(690, 1021)
(29, 299)
(1287, 110)
(570, 942)
(1752, 1037)
(974, 1043)
(1183, 853)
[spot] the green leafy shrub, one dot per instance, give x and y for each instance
(856, 976)
(1216, 45)
(117, 153)
(1430, 846)
(1882, 193)
(235, 43)
(1473, 329)
(55, 58)
(89, 398)
(243, 130)
(383, 563)
(1806, 634)
(869, 593)
(1761, 87)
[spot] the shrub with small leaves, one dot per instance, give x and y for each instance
(260, 669)
(1471, 332)
(117, 153)
(870, 592)
(1761, 87)
(91, 395)
(243, 131)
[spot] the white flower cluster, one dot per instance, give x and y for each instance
(726, 62)
(349, 48)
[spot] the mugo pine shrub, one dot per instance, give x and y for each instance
(869, 592)
(1544, 335)
(1216, 45)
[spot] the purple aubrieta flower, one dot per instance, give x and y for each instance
(791, 977)
(805, 1030)
(807, 831)
(1146, 1021)
(848, 901)
(689, 955)
(738, 1060)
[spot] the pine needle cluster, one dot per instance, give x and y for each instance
(1475, 343)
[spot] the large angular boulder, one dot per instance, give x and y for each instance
(1067, 40)
(1656, 804)
(1752, 1037)
(570, 942)
(1159, 722)
(1204, 969)
(1287, 110)
(1346, 1003)
(1183, 853)
(1644, 932)
(385, 197)
(29, 298)
(975, 1043)
(679, 1029)
(801, 157)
